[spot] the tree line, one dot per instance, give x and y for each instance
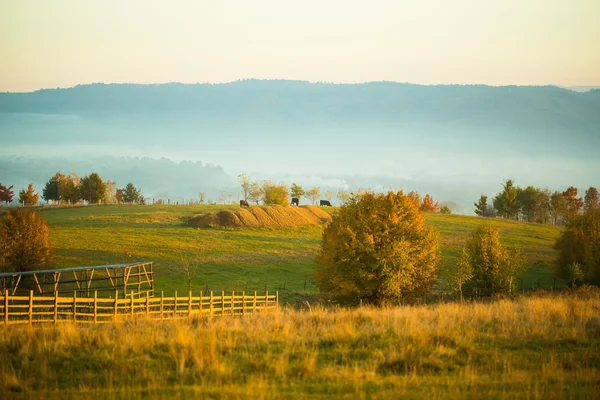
(533, 204)
(72, 189)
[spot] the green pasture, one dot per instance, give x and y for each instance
(247, 259)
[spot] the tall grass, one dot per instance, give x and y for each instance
(532, 347)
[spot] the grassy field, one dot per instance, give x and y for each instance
(531, 348)
(247, 259)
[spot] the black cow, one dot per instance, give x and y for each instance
(325, 203)
(295, 201)
(244, 203)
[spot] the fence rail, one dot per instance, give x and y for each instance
(95, 310)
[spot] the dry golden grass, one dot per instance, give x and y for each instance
(531, 347)
(262, 216)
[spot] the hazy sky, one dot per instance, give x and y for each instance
(61, 43)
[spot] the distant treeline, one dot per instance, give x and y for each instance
(533, 204)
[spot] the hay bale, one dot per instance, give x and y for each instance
(321, 215)
(204, 221)
(229, 219)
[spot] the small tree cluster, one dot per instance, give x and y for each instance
(486, 265)
(377, 249)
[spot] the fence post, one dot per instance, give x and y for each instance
(175, 306)
(6, 307)
(131, 305)
(189, 303)
(222, 302)
(232, 302)
(254, 304)
(55, 307)
(30, 307)
(116, 311)
(267, 300)
(95, 307)
(210, 304)
(244, 302)
(162, 305)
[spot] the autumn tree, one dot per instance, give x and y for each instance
(313, 195)
(255, 193)
(28, 197)
(92, 188)
(24, 242)
(591, 201)
(297, 191)
(415, 197)
(428, 204)
(246, 184)
(579, 249)
(377, 249)
(6, 194)
(492, 266)
(558, 208)
(343, 195)
(110, 195)
(274, 193)
(574, 204)
(460, 272)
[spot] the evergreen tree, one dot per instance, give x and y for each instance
(131, 194)
(28, 197)
(481, 206)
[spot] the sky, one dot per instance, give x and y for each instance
(62, 43)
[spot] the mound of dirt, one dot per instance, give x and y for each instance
(262, 216)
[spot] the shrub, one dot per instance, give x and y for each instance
(485, 264)
(579, 249)
(377, 249)
(24, 242)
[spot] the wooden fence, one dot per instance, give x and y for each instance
(95, 310)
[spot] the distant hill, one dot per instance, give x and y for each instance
(453, 141)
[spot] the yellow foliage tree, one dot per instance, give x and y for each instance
(24, 242)
(377, 249)
(28, 197)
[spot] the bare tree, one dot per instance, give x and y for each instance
(246, 184)
(329, 195)
(201, 197)
(191, 266)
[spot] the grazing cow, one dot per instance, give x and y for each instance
(295, 201)
(244, 203)
(324, 203)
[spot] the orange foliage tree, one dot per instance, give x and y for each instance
(429, 205)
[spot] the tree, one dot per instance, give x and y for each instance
(131, 194)
(297, 191)
(92, 188)
(415, 197)
(255, 193)
(29, 197)
(24, 242)
(6, 194)
(591, 201)
(579, 249)
(481, 206)
(71, 192)
(527, 200)
(343, 195)
(460, 272)
(201, 197)
(110, 195)
(246, 184)
(494, 268)
(542, 206)
(428, 205)
(445, 210)
(329, 195)
(505, 202)
(574, 204)
(313, 195)
(274, 194)
(119, 194)
(54, 188)
(377, 249)
(558, 206)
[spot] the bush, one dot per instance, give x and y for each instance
(377, 249)
(579, 249)
(24, 242)
(486, 265)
